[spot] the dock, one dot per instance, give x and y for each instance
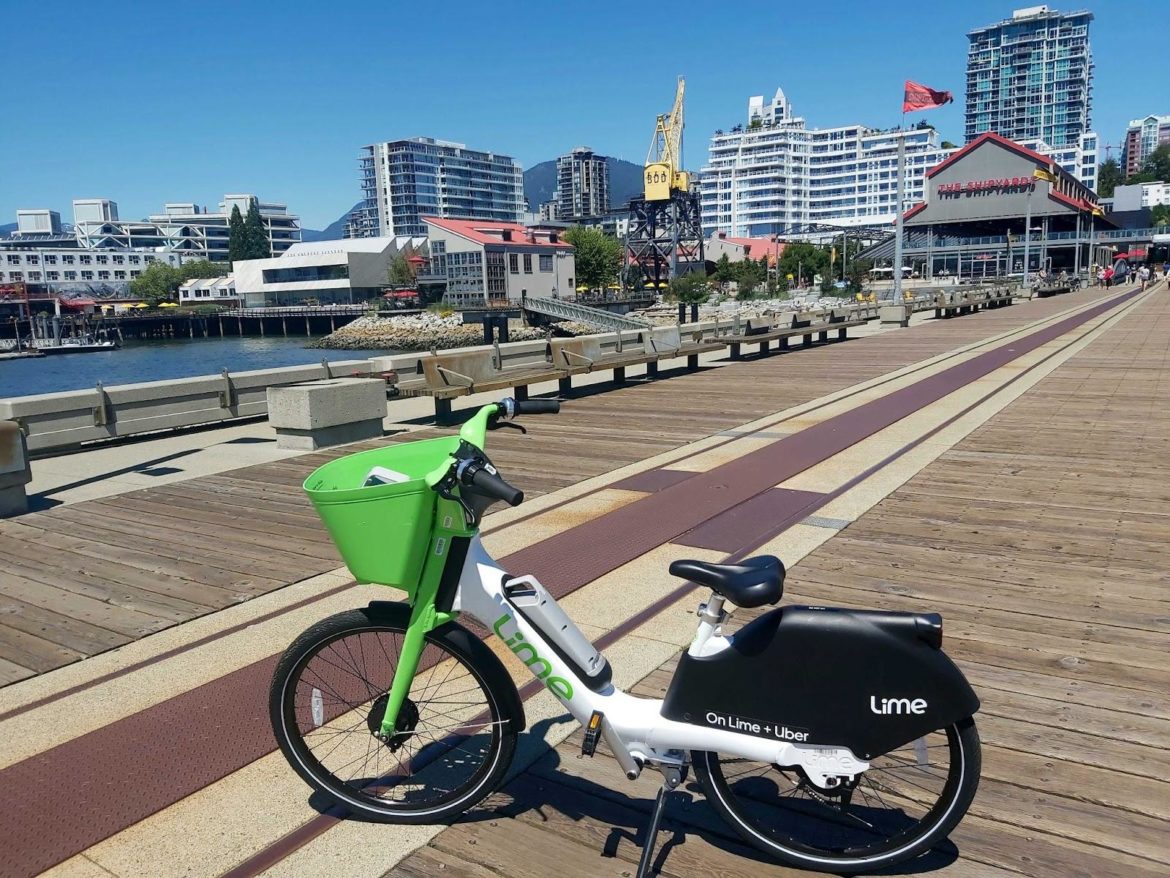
(1009, 469)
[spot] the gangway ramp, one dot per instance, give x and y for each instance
(558, 309)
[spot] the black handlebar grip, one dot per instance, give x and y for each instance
(493, 486)
(538, 406)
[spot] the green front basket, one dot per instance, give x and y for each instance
(381, 531)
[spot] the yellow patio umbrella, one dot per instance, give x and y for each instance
(615, 286)
(169, 305)
(582, 289)
(140, 305)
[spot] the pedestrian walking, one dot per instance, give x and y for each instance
(1100, 277)
(1107, 277)
(1144, 276)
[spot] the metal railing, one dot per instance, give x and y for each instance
(562, 310)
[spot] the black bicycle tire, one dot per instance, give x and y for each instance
(300, 758)
(961, 797)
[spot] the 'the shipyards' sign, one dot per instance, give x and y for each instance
(996, 186)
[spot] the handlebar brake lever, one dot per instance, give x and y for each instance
(511, 425)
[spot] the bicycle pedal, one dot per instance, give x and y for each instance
(592, 733)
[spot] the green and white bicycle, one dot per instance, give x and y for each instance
(834, 740)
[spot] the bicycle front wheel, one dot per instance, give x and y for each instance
(907, 802)
(327, 700)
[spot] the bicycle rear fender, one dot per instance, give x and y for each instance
(486, 662)
(867, 680)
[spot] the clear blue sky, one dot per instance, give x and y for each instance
(148, 103)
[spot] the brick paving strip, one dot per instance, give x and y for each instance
(126, 771)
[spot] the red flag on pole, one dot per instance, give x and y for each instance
(919, 97)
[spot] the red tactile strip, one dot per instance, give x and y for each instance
(653, 480)
(748, 523)
(66, 799)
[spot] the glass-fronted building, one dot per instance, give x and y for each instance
(1030, 78)
(405, 180)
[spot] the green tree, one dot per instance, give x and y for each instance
(1155, 169)
(401, 272)
(203, 268)
(748, 276)
(254, 234)
(689, 289)
(803, 261)
(946, 144)
(1160, 215)
(160, 282)
(1108, 177)
(598, 256)
(157, 283)
(237, 236)
(724, 272)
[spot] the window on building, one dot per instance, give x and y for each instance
(514, 263)
(103, 260)
(528, 263)
(68, 259)
(52, 275)
(14, 259)
(86, 260)
(119, 275)
(87, 275)
(134, 274)
(50, 259)
(119, 260)
(103, 275)
(34, 276)
(16, 276)
(134, 260)
(546, 263)
(71, 275)
(34, 260)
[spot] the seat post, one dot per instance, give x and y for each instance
(711, 616)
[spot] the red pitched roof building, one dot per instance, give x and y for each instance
(495, 262)
(971, 224)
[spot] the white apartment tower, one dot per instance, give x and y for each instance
(776, 175)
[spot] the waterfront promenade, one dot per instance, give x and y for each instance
(1007, 469)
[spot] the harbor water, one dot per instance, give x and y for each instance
(157, 360)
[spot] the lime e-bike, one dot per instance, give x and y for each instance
(832, 739)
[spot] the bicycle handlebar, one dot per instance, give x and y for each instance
(487, 482)
(538, 406)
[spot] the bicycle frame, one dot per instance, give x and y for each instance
(634, 728)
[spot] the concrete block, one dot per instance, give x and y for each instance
(14, 470)
(898, 315)
(331, 412)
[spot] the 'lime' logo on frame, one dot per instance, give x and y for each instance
(559, 686)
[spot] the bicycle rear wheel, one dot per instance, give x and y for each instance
(907, 802)
(328, 697)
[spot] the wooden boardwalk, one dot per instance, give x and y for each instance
(1042, 539)
(84, 578)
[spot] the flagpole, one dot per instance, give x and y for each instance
(901, 195)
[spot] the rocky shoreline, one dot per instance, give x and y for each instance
(418, 333)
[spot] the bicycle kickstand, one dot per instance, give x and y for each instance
(672, 777)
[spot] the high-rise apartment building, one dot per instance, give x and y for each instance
(405, 180)
(1030, 78)
(776, 175)
(1142, 137)
(582, 185)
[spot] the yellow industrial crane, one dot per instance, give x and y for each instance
(664, 174)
